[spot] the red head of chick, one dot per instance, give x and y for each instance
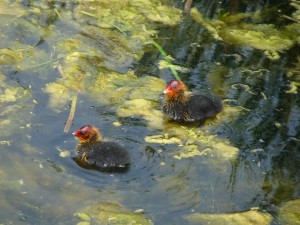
(88, 134)
(180, 105)
(176, 90)
(94, 152)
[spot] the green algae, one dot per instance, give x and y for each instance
(231, 30)
(118, 88)
(252, 217)
(213, 26)
(8, 56)
(7, 8)
(261, 36)
(112, 214)
(164, 64)
(16, 106)
(112, 42)
(141, 107)
(71, 81)
(9, 95)
(289, 212)
(136, 22)
(296, 14)
(14, 101)
(131, 96)
(131, 13)
(293, 87)
(83, 216)
(125, 92)
(20, 35)
(93, 47)
(193, 141)
(294, 75)
(163, 139)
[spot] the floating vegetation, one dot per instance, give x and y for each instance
(251, 217)
(16, 105)
(71, 81)
(111, 213)
(112, 42)
(260, 36)
(96, 44)
(193, 141)
(296, 14)
(132, 13)
(294, 75)
(289, 212)
(92, 15)
(164, 64)
(8, 56)
(135, 23)
(131, 96)
(127, 93)
(10, 9)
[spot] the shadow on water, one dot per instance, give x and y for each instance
(41, 184)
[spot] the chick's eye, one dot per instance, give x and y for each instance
(175, 86)
(82, 132)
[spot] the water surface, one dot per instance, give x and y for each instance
(39, 186)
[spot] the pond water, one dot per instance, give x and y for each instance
(99, 51)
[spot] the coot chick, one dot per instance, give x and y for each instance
(182, 106)
(95, 153)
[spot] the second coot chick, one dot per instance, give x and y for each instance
(182, 106)
(94, 152)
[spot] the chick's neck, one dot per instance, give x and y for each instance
(179, 96)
